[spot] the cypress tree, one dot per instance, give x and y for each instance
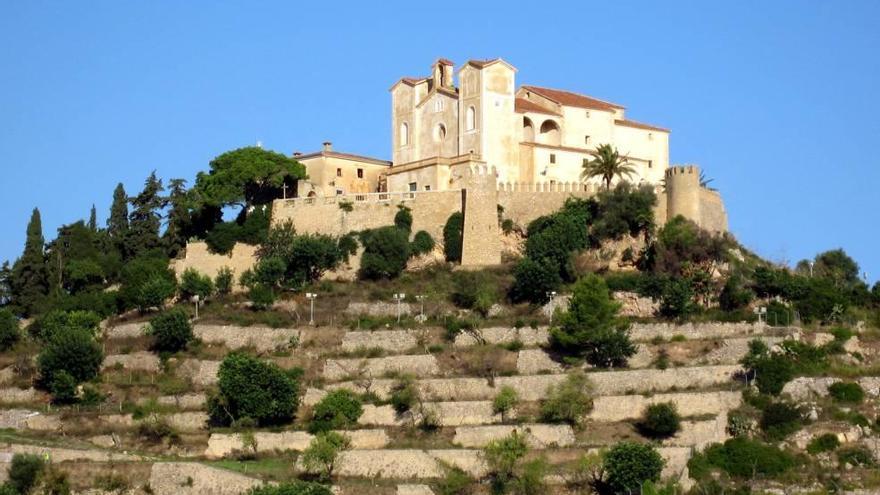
(117, 224)
(93, 219)
(179, 220)
(145, 218)
(30, 276)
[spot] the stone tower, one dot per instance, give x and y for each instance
(481, 237)
(683, 192)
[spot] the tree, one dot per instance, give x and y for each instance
(403, 218)
(193, 283)
(24, 471)
(567, 402)
(304, 258)
(146, 282)
(57, 321)
(628, 465)
(145, 218)
(30, 277)
(533, 280)
(607, 163)
(246, 177)
(838, 267)
(452, 237)
(591, 328)
(386, 251)
(502, 455)
(624, 210)
(660, 421)
(70, 351)
(770, 371)
(339, 409)
(178, 223)
(295, 487)
(422, 243)
(9, 331)
(505, 401)
(253, 389)
(117, 222)
(323, 452)
(171, 330)
(93, 219)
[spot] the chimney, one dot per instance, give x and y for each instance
(328, 146)
(297, 153)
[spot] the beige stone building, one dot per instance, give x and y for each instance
(332, 173)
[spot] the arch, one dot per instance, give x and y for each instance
(404, 134)
(550, 133)
(470, 122)
(528, 133)
(440, 133)
(311, 194)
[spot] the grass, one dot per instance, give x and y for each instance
(270, 468)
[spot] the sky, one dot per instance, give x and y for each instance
(777, 101)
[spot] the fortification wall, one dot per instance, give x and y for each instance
(713, 216)
(197, 256)
(524, 202)
(481, 237)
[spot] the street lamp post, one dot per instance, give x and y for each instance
(399, 298)
(311, 296)
(421, 299)
(550, 296)
(195, 300)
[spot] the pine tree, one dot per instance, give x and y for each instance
(93, 219)
(5, 284)
(179, 218)
(145, 218)
(30, 280)
(117, 224)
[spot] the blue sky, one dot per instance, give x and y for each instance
(777, 101)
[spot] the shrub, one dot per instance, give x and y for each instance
(452, 237)
(222, 237)
(676, 300)
(624, 210)
(63, 388)
(73, 352)
(530, 477)
(270, 271)
(503, 454)
(403, 219)
(193, 283)
(507, 226)
(826, 442)
(474, 290)
(849, 392)
(628, 465)
(338, 410)
(24, 471)
(262, 297)
(742, 457)
(323, 451)
(734, 296)
(171, 331)
(567, 402)
(780, 419)
(404, 395)
(591, 328)
(155, 430)
(9, 332)
(250, 388)
(856, 456)
(771, 371)
(295, 487)
(55, 321)
(303, 258)
(386, 251)
(154, 292)
(505, 400)
(533, 280)
(141, 285)
(223, 281)
(422, 243)
(455, 482)
(660, 421)
(778, 314)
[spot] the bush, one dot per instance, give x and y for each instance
(848, 392)
(624, 210)
(269, 271)
(856, 456)
(826, 442)
(533, 280)
(24, 471)
(742, 457)
(660, 421)
(474, 290)
(141, 287)
(154, 292)
(503, 454)
(73, 352)
(567, 402)
(734, 296)
(676, 300)
(505, 401)
(404, 395)
(627, 465)
(323, 451)
(9, 332)
(403, 219)
(223, 281)
(222, 238)
(455, 482)
(295, 487)
(339, 409)
(386, 251)
(63, 388)
(303, 259)
(422, 243)
(55, 321)
(261, 296)
(771, 371)
(780, 419)
(591, 328)
(250, 388)
(171, 331)
(193, 283)
(452, 237)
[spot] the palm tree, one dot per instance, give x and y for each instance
(607, 163)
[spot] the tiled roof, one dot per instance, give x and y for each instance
(445, 61)
(344, 156)
(569, 99)
(522, 105)
(639, 125)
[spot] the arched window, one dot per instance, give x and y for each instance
(440, 133)
(470, 119)
(550, 133)
(404, 134)
(528, 134)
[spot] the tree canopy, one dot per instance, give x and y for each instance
(247, 176)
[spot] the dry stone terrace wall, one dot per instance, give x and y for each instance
(136, 361)
(538, 436)
(418, 365)
(501, 335)
(447, 413)
(628, 407)
(805, 388)
(223, 444)
(263, 339)
(693, 331)
(192, 478)
(388, 340)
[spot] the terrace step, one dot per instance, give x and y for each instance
(420, 365)
(538, 436)
(447, 414)
(263, 339)
(613, 408)
(223, 444)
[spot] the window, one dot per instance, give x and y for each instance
(360, 173)
(404, 134)
(586, 139)
(588, 114)
(552, 157)
(470, 119)
(338, 172)
(413, 186)
(650, 163)
(650, 136)
(339, 192)
(427, 188)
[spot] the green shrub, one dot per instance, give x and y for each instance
(567, 402)
(63, 388)
(261, 296)
(502, 455)
(251, 388)
(224, 280)
(222, 238)
(24, 471)
(302, 259)
(338, 410)
(386, 251)
(660, 421)
(530, 477)
(55, 321)
(73, 352)
(677, 299)
(9, 331)
(403, 219)
(533, 281)
(322, 453)
(269, 271)
(507, 226)
(848, 392)
(171, 330)
(474, 290)
(193, 283)
(591, 328)
(505, 400)
(780, 419)
(628, 465)
(294, 487)
(826, 442)
(734, 295)
(624, 210)
(455, 482)
(141, 287)
(422, 243)
(452, 237)
(856, 456)
(154, 292)
(771, 370)
(455, 326)
(778, 314)
(404, 395)
(742, 457)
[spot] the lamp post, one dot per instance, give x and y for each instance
(550, 296)
(421, 299)
(811, 269)
(399, 298)
(195, 300)
(311, 296)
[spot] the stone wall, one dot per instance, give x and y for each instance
(191, 478)
(198, 257)
(263, 339)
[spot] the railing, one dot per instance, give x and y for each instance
(381, 197)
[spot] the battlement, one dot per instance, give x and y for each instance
(548, 187)
(683, 170)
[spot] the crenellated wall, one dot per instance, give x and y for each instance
(685, 196)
